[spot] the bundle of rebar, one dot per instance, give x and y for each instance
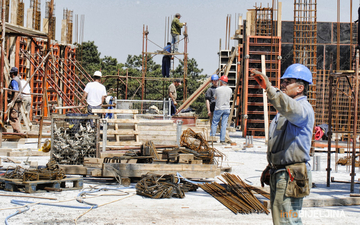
(164, 186)
(196, 142)
(236, 195)
(51, 172)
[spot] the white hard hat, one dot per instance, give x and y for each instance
(108, 98)
(97, 73)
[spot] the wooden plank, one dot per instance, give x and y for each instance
(157, 135)
(96, 173)
(123, 121)
(93, 160)
(5, 151)
(155, 122)
(159, 141)
(139, 169)
(157, 128)
(116, 111)
(111, 154)
(120, 132)
(74, 169)
(13, 160)
(116, 129)
(27, 153)
(136, 129)
(113, 143)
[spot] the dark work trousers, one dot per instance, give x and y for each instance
(173, 108)
(166, 66)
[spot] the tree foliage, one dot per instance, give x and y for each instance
(115, 73)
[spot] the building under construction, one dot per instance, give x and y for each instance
(139, 139)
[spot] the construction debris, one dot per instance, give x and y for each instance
(164, 186)
(236, 195)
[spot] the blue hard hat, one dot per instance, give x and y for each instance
(298, 71)
(14, 70)
(214, 77)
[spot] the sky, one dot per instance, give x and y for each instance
(116, 26)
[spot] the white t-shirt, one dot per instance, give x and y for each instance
(95, 91)
(26, 88)
(223, 95)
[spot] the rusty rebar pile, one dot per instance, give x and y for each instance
(197, 143)
(236, 196)
(165, 186)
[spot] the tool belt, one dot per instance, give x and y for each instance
(298, 182)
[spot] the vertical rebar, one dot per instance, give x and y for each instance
(338, 37)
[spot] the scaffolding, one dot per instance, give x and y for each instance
(305, 40)
(147, 55)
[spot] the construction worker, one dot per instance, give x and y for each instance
(15, 84)
(166, 61)
(176, 26)
(222, 96)
(94, 93)
(210, 102)
(173, 94)
(290, 136)
(26, 95)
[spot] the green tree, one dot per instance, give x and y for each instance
(89, 57)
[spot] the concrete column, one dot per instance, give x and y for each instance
(13, 13)
(45, 25)
(63, 31)
(29, 16)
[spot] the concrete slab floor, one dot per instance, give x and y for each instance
(197, 207)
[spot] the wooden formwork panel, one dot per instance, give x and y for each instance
(252, 94)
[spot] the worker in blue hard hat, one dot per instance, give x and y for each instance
(210, 102)
(290, 135)
(15, 85)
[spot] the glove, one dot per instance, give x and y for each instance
(261, 78)
(265, 177)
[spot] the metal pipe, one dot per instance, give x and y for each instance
(338, 37)
(328, 169)
(104, 122)
(178, 131)
(351, 36)
(227, 17)
(185, 64)
(355, 122)
(127, 80)
(2, 61)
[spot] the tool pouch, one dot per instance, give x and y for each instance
(298, 183)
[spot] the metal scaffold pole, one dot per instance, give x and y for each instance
(2, 60)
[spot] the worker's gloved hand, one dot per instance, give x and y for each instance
(261, 78)
(265, 177)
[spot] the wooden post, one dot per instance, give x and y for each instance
(45, 76)
(265, 102)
